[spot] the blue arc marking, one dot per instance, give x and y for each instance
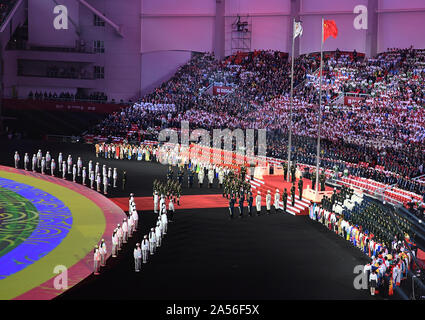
(54, 224)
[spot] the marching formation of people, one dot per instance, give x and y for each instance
(162, 192)
(379, 233)
(121, 151)
(91, 175)
(150, 243)
(153, 240)
(238, 190)
(120, 236)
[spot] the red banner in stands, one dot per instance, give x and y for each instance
(348, 101)
(221, 90)
(73, 106)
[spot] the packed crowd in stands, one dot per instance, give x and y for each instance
(67, 96)
(384, 128)
(5, 7)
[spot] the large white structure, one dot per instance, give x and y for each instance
(126, 48)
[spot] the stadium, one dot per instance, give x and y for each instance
(212, 150)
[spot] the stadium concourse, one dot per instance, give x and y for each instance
(207, 256)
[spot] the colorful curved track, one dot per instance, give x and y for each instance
(47, 222)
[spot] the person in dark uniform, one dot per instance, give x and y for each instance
(243, 173)
(241, 202)
(178, 193)
(285, 199)
(170, 173)
(322, 180)
(313, 180)
(225, 188)
(232, 202)
(190, 178)
(333, 197)
(250, 200)
(386, 282)
(285, 171)
(293, 194)
(300, 188)
(293, 173)
(180, 176)
(124, 179)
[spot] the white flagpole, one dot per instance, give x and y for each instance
(291, 102)
(319, 114)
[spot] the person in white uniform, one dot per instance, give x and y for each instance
(276, 201)
(109, 176)
(74, 173)
(373, 280)
(69, 162)
(137, 253)
(158, 234)
(115, 177)
(64, 170)
(130, 225)
(79, 166)
(135, 218)
(91, 176)
(96, 260)
(16, 158)
(90, 166)
(210, 177)
(114, 243)
(156, 201)
(258, 203)
(119, 235)
(152, 241)
(131, 200)
(145, 249)
(171, 209)
(60, 160)
(26, 161)
(103, 252)
(268, 201)
(43, 165)
(97, 169)
(48, 159)
(161, 202)
(39, 156)
(105, 184)
(84, 176)
(220, 177)
(98, 182)
(104, 171)
(124, 230)
(201, 177)
(53, 167)
(164, 221)
(34, 162)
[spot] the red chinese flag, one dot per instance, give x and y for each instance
(329, 29)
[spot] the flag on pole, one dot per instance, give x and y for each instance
(298, 29)
(329, 29)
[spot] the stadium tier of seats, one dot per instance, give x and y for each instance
(380, 136)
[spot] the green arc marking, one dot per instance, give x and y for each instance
(18, 220)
